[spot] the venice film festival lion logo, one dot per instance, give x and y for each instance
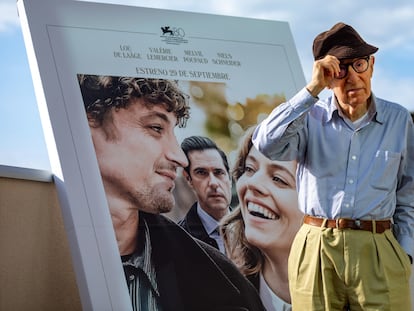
(173, 35)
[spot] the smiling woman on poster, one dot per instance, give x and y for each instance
(258, 234)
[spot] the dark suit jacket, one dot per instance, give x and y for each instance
(193, 276)
(193, 225)
(255, 280)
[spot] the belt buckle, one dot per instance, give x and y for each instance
(358, 223)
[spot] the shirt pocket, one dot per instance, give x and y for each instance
(385, 170)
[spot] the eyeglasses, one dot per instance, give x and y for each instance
(360, 65)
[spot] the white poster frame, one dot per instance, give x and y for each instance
(59, 38)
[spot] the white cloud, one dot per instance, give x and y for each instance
(399, 90)
(8, 16)
(394, 29)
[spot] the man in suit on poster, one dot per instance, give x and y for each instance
(208, 175)
(132, 122)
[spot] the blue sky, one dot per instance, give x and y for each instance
(386, 24)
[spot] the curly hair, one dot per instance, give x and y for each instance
(101, 94)
(246, 257)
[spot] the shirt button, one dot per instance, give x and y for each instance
(131, 277)
(354, 157)
(351, 181)
(347, 205)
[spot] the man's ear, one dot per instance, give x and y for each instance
(373, 62)
(187, 178)
(92, 122)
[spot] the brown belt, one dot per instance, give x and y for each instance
(343, 223)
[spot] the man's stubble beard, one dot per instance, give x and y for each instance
(145, 197)
(154, 201)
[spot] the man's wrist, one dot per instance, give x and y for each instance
(314, 90)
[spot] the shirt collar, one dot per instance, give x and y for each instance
(374, 113)
(332, 108)
(209, 223)
(142, 260)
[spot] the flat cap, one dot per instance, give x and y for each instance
(341, 41)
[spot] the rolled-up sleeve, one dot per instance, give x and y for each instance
(277, 135)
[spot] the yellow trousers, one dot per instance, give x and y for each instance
(345, 269)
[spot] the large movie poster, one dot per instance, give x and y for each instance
(115, 86)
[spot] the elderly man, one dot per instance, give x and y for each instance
(132, 122)
(355, 173)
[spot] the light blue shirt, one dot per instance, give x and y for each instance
(344, 171)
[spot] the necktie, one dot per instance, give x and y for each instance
(216, 236)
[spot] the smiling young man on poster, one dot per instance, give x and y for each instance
(132, 122)
(355, 156)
